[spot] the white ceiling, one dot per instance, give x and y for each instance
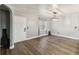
(69, 8)
(31, 8)
(25, 8)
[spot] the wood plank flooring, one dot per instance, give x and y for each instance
(48, 45)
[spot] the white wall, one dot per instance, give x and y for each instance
(66, 26)
(19, 32)
(32, 23)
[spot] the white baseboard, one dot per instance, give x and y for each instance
(75, 38)
(11, 47)
(36, 36)
(31, 38)
(42, 35)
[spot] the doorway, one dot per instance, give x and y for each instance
(43, 27)
(5, 14)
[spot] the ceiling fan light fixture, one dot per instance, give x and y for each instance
(54, 12)
(55, 20)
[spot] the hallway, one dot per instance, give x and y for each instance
(48, 45)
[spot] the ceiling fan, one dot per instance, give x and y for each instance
(56, 12)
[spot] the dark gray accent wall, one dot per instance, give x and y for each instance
(4, 22)
(0, 28)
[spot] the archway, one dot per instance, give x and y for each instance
(5, 22)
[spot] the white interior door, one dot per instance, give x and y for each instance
(19, 28)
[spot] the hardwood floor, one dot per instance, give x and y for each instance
(49, 45)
